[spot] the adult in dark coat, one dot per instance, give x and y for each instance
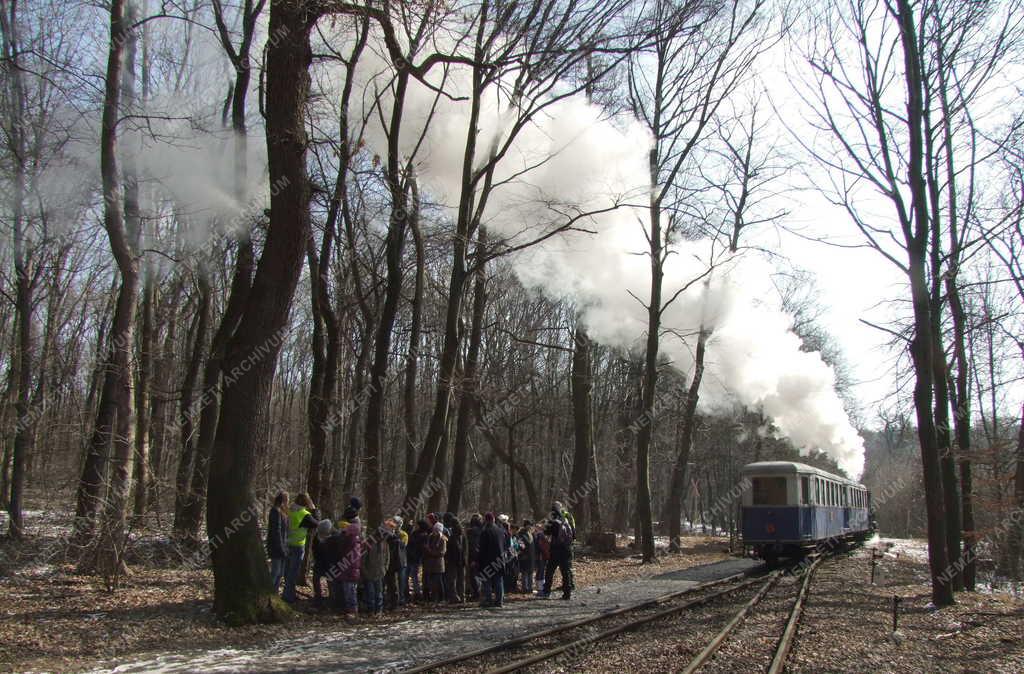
(434, 562)
(476, 525)
(455, 560)
(277, 538)
(560, 533)
(526, 556)
(394, 580)
(414, 556)
(491, 562)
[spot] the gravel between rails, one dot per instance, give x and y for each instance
(586, 635)
(752, 644)
(660, 647)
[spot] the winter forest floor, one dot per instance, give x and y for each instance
(55, 620)
(159, 619)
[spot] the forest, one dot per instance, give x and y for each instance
(487, 254)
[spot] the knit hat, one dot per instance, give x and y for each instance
(350, 513)
(488, 517)
(355, 503)
(503, 518)
(323, 528)
(398, 521)
(438, 527)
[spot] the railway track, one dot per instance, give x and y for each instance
(572, 640)
(785, 642)
(574, 637)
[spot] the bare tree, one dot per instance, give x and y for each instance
(114, 420)
(194, 502)
(700, 57)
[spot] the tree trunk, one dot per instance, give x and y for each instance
(23, 429)
(142, 399)
(962, 427)
(582, 384)
(409, 407)
(114, 418)
(358, 393)
(469, 388)
(22, 382)
(916, 234)
(241, 280)
(440, 474)
(393, 252)
(677, 488)
(628, 414)
(940, 384)
(505, 451)
(242, 589)
(187, 414)
(643, 441)
(326, 328)
(436, 442)
(160, 428)
(1016, 546)
(487, 470)
(316, 408)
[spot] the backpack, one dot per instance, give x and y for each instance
(564, 535)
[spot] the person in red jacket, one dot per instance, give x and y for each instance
(346, 570)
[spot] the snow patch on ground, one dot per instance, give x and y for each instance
(910, 548)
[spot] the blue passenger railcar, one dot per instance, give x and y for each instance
(790, 508)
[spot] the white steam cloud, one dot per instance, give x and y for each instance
(571, 159)
(582, 160)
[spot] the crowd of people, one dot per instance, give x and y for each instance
(436, 559)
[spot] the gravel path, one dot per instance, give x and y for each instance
(395, 646)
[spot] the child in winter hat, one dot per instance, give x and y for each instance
(352, 509)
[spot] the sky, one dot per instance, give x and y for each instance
(855, 284)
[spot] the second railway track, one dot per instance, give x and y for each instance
(571, 638)
(569, 644)
(744, 645)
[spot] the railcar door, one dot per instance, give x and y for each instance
(846, 508)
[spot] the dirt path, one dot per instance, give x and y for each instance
(394, 646)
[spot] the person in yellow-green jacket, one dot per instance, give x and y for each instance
(300, 522)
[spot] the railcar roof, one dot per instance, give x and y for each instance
(791, 468)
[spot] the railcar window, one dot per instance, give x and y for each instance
(805, 490)
(769, 491)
